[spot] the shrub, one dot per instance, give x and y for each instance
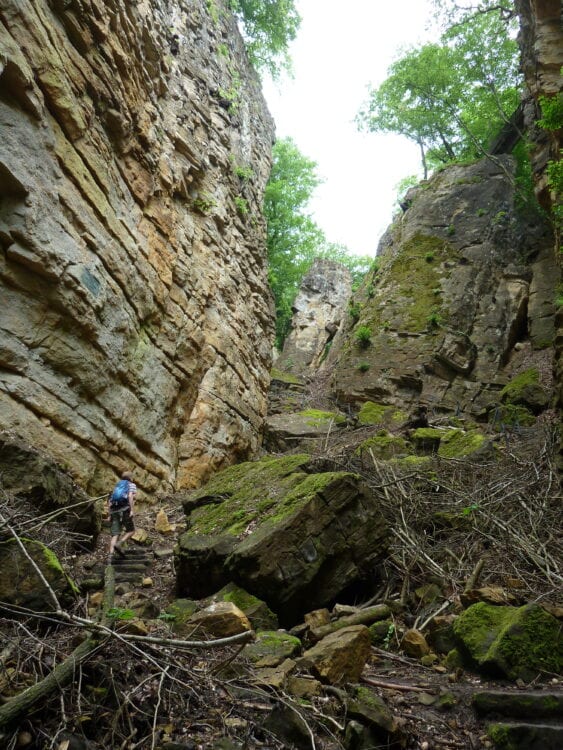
(363, 336)
(364, 366)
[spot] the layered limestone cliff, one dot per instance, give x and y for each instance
(318, 311)
(135, 321)
(465, 274)
(541, 45)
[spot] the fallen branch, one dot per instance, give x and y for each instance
(395, 686)
(363, 617)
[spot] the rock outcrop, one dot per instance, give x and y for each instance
(541, 47)
(136, 322)
(438, 320)
(319, 309)
(293, 538)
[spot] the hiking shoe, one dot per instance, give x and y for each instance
(119, 551)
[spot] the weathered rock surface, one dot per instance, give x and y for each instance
(288, 431)
(319, 309)
(21, 585)
(341, 656)
(450, 298)
(541, 47)
(294, 539)
(33, 475)
(516, 642)
(220, 620)
(136, 322)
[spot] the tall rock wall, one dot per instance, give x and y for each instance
(541, 46)
(464, 276)
(318, 311)
(135, 321)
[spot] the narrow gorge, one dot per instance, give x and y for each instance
(353, 542)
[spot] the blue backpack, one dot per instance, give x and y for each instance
(120, 495)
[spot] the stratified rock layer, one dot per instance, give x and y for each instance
(541, 47)
(135, 324)
(319, 310)
(439, 319)
(295, 539)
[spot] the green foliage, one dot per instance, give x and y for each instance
(243, 173)
(555, 182)
(434, 320)
(233, 93)
(269, 26)
(294, 239)
(363, 366)
(354, 309)
(241, 205)
(363, 336)
(119, 613)
(204, 203)
(223, 50)
(452, 97)
(429, 257)
(552, 112)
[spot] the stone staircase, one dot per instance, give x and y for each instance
(523, 720)
(133, 566)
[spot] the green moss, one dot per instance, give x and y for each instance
(263, 492)
(518, 642)
(51, 560)
(410, 281)
(285, 377)
(317, 417)
(457, 443)
(374, 413)
(302, 493)
(513, 390)
(511, 416)
(272, 647)
(413, 462)
(383, 446)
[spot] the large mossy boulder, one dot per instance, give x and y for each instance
(525, 390)
(20, 583)
(513, 642)
(292, 538)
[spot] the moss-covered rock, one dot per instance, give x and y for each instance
(179, 612)
(383, 446)
(374, 413)
(525, 390)
(271, 648)
(458, 443)
(427, 439)
(21, 585)
(370, 709)
(516, 642)
(293, 539)
(510, 415)
(284, 431)
(257, 611)
(288, 378)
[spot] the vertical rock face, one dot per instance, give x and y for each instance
(541, 46)
(451, 297)
(135, 321)
(319, 309)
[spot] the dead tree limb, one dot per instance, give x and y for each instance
(363, 617)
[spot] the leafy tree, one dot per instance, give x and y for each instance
(269, 26)
(450, 98)
(294, 239)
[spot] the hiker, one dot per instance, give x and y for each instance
(121, 505)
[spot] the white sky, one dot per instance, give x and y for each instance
(341, 47)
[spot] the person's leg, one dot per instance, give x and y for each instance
(128, 527)
(115, 531)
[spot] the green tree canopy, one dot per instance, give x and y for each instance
(450, 97)
(269, 26)
(294, 239)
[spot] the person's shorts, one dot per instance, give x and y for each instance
(121, 521)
